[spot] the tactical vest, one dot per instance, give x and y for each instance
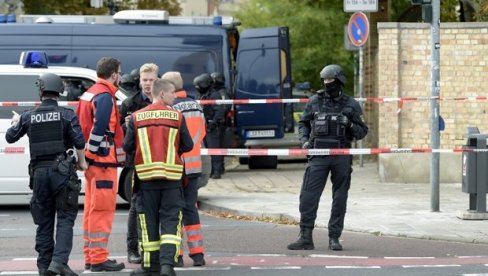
(46, 139)
(327, 133)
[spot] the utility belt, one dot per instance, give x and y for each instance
(64, 164)
(328, 143)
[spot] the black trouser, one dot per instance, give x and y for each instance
(213, 139)
(313, 185)
(160, 218)
(132, 226)
(47, 185)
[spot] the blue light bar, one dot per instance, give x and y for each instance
(34, 59)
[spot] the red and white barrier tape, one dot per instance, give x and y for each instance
(305, 152)
(295, 152)
(279, 101)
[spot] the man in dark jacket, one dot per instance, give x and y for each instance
(148, 74)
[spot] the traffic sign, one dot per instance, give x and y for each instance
(358, 29)
(361, 5)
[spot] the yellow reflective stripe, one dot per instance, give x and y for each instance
(159, 174)
(170, 239)
(144, 145)
(145, 238)
(158, 165)
(171, 154)
(151, 246)
(179, 233)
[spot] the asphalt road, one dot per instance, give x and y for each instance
(242, 247)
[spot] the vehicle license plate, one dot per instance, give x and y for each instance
(260, 133)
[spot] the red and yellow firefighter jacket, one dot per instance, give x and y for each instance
(99, 120)
(157, 143)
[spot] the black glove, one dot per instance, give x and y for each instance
(343, 120)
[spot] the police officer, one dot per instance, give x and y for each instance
(215, 118)
(225, 135)
(52, 130)
(331, 119)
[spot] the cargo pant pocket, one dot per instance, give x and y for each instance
(104, 196)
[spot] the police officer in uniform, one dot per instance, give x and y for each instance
(215, 118)
(331, 119)
(52, 130)
(225, 135)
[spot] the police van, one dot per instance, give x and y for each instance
(17, 87)
(255, 62)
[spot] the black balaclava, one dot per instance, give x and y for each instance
(333, 89)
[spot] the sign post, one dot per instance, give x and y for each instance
(358, 32)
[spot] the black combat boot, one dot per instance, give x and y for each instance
(61, 269)
(334, 244)
(305, 240)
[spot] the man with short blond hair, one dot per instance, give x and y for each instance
(148, 74)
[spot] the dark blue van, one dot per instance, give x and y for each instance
(255, 62)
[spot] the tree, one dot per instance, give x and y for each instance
(82, 7)
(172, 6)
(316, 33)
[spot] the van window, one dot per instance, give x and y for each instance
(258, 74)
(22, 88)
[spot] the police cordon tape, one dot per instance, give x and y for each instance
(278, 101)
(294, 151)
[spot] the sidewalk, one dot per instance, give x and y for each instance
(393, 209)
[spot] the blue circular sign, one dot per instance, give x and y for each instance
(358, 29)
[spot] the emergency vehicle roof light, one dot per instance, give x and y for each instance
(162, 17)
(33, 59)
(141, 17)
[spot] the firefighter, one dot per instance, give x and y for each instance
(52, 130)
(158, 136)
(148, 74)
(215, 118)
(195, 121)
(99, 120)
(331, 119)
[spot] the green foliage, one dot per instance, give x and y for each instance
(316, 33)
(172, 6)
(75, 7)
(82, 7)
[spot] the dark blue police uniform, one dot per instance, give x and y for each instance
(52, 130)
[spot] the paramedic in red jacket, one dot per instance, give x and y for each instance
(99, 120)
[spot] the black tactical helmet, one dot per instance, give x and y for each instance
(134, 74)
(333, 71)
(203, 81)
(218, 78)
(126, 78)
(49, 82)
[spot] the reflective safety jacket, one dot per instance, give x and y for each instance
(195, 122)
(99, 120)
(158, 142)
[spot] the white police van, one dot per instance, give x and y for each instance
(17, 85)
